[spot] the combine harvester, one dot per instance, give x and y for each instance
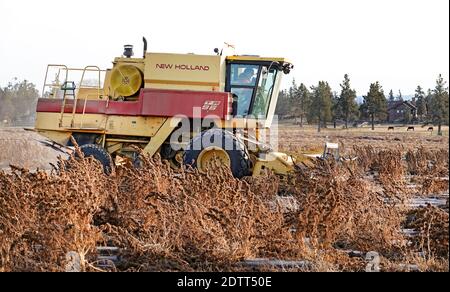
(191, 109)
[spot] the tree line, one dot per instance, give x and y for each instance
(317, 104)
(320, 105)
(18, 103)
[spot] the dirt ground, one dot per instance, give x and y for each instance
(294, 139)
(22, 148)
(391, 199)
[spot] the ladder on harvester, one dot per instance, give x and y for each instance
(69, 86)
(68, 89)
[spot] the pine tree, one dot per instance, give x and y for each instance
(2, 105)
(282, 104)
(399, 96)
(391, 96)
(407, 116)
(375, 104)
(303, 102)
(336, 109)
(440, 103)
(420, 103)
(428, 99)
(321, 104)
(347, 101)
(293, 98)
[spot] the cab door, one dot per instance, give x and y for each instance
(241, 81)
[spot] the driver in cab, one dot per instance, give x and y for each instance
(246, 77)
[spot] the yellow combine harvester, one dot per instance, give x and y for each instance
(189, 108)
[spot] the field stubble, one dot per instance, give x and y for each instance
(163, 219)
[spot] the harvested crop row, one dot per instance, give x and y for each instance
(163, 219)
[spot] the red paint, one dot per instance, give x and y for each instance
(151, 103)
(92, 107)
(169, 103)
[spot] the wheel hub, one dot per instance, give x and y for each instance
(211, 157)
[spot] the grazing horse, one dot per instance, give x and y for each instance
(410, 128)
(391, 129)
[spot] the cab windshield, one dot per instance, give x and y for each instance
(253, 85)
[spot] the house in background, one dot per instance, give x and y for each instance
(402, 112)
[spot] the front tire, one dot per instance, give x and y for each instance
(100, 154)
(223, 143)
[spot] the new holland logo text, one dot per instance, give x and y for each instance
(210, 105)
(182, 67)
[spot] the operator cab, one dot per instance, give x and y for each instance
(255, 84)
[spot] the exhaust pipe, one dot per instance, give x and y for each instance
(145, 46)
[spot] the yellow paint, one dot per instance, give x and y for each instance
(113, 147)
(134, 126)
(188, 83)
(61, 138)
(90, 94)
(95, 123)
(50, 121)
(254, 58)
(239, 123)
(192, 71)
(125, 80)
(279, 163)
(183, 87)
(107, 83)
(162, 135)
(138, 62)
(210, 155)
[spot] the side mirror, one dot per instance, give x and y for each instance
(287, 67)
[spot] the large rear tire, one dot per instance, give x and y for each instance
(223, 145)
(100, 154)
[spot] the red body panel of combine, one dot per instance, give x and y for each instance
(151, 103)
(169, 103)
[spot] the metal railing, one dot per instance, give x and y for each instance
(55, 86)
(90, 68)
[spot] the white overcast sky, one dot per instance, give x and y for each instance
(401, 43)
